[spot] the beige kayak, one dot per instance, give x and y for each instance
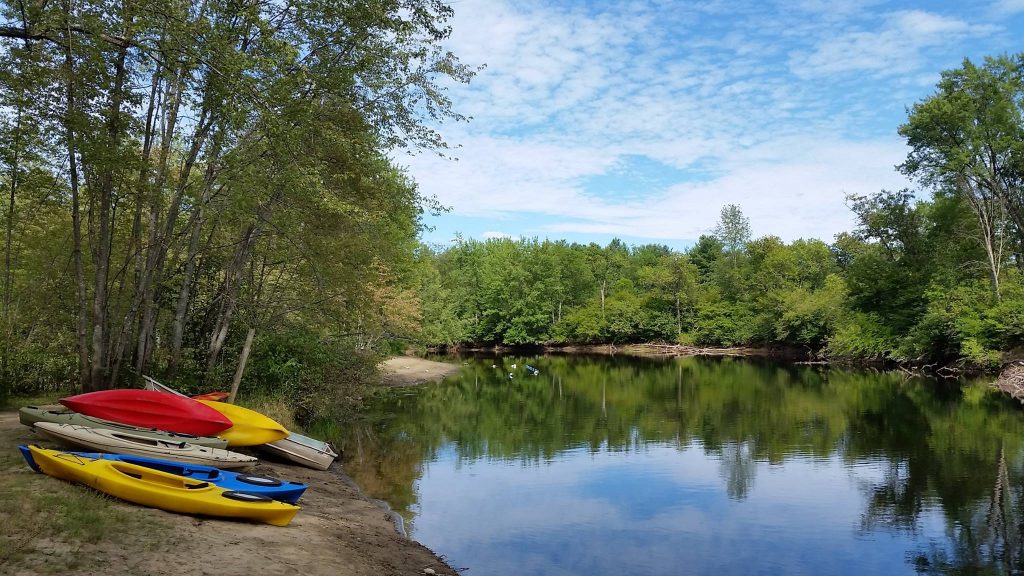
(102, 440)
(303, 450)
(31, 415)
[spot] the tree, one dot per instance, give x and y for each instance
(184, 140)
(733, 229)
(969, 137)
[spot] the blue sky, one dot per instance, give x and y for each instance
(640, 120)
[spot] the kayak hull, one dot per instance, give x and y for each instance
(150, 409)
(303, 450)
(101, 440)
(250, 427)
(30, 415)
(281, 490)
(158, 489)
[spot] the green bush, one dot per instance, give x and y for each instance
(809, 317)
(860, 335)
(321, 379)
(31, 369)
(724, 324)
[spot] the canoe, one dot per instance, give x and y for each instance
(30, 415)
(251, 428)
(102, 440)
(158, 489)
(150, 409)
(152, 384)
(281, 490)
(303, 450)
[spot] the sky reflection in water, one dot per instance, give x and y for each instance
(668, 474)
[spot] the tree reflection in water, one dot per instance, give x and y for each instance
(952, 449)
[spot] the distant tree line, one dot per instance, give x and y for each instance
(927, 276)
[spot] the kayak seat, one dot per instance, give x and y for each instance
(258, 480)
(244, 497)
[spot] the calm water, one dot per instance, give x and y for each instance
(690, 466)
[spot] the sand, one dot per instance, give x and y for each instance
(338, 532)
(409, 370)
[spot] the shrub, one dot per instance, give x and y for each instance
(724, 324)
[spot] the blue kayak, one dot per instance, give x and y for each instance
(281, 490)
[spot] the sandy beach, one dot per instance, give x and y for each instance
(339, 531)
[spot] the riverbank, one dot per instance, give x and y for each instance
(410, 371)
(338, 531)
(648, 350)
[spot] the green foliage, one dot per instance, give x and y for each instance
(810, 317)
(174, 177)
(321, 379)
(724, 324)
(861, 335)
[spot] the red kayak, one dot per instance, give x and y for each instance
(150, 409)
(215, 396)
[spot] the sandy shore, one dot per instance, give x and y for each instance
(338, 532)
(409, 370)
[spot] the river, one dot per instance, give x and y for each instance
(601, 466)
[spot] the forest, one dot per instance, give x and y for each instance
(931, 275)
(182, 177)
(184, 180)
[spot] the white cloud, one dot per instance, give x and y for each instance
(894, 48)
(792, 187)
(779, 109)
(493, 234)
(1008, 7)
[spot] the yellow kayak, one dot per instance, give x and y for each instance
(250, 427)
(157, 489)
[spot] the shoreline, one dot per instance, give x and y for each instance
(340, 530)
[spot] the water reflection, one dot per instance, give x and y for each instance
(625, 466)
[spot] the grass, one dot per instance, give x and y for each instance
(274, 407)
(15, 402)
(54, 526)
(53, 518)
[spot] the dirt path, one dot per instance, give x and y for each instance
(338, 532)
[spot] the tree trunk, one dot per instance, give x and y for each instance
(136, 235)
(679, 316)
(100, 337)
(989, 211)
(15, 169)
(229, 295)
(181, 309)
(8, 278)
(148, 321)
(241, 365)
(84, 369)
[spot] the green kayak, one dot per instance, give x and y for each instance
(57, 414)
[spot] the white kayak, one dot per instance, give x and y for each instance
(102, 440)
(152, 384)
(303, 450)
